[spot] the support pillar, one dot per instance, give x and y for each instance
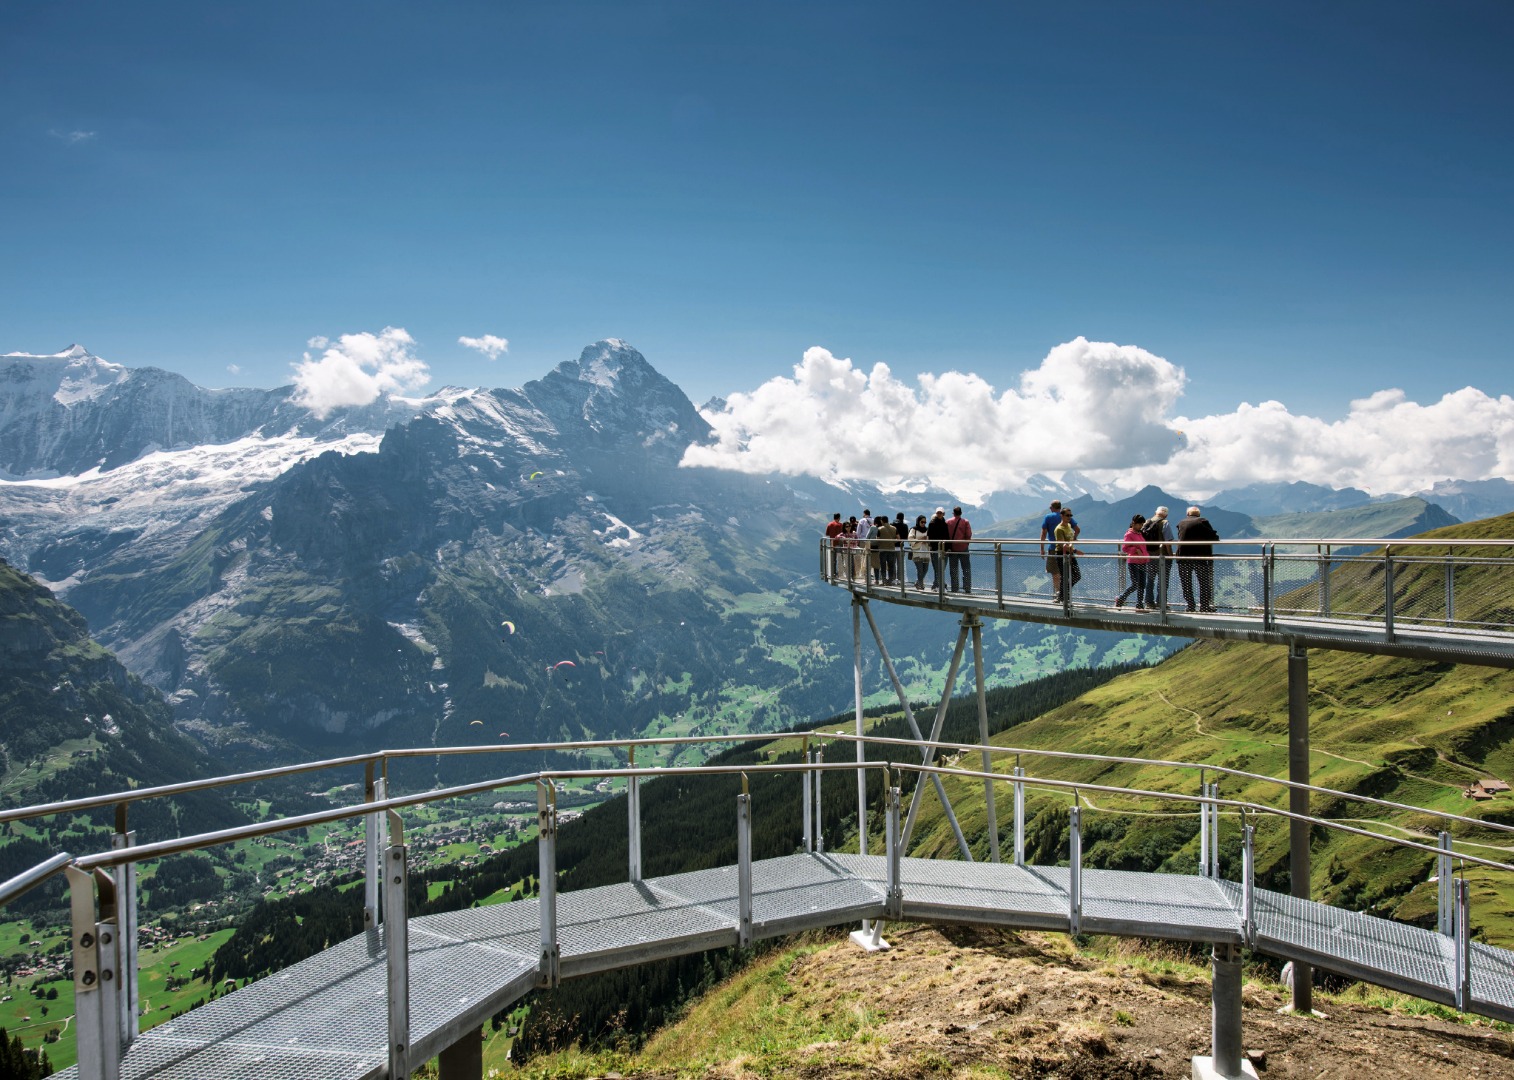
(861, 750)
(988, 761)
(930, 751)
(1226, 1062)
(1298, 803)
(464, 1059)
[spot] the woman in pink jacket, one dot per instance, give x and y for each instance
(1133, 551)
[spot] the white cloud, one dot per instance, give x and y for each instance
(1089, 405)
(1105, 410)
(358, 369)
(1384, 443)
(489, 345)
(72, 137)
(235, 369)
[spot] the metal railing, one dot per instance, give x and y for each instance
(1461, 589)
(102, 889)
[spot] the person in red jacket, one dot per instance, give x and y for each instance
(833, 530)
(958, 562)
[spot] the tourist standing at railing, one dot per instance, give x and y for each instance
(919, 550)
(888, 544)
(959, 559)
(1050, 522)
(1196, 559)
(1136, 560)
(833, 530)
(862, 550)
(1065, 555)
(1159, 537)
(938, 534)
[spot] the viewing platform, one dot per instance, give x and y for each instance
(1448, 601)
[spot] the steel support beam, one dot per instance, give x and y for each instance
(1226, 1061)
(930, 750)
(126, 920)
(914, 726)
(744, 867)
(546, 875)
(988, 761)
(633, 823)
(858, 605)
(376, 842)
(1298, 803)
(464, 1059)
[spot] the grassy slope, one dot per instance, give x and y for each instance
(1400, 730)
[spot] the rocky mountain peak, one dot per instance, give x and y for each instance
(611, 393)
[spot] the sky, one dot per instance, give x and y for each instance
(1261, 218)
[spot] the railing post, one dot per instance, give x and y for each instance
(546, 875)
(633, 823)
(987, 756)
(819, 816)
(397, 949)
(807, 783)
(1463, 945)
(1324, 582)
(1163, 569)
(744, 865)
(999, 573)
(96, 974)
(1269, 571)
(1214, 830)
(1388, 593)
(1248, 883)
(1019, 817)
(376, 842)
(1203, 826)
(895, 898)
(126, 922)
(1445, 893)
(1075, 870)
(1450, 589)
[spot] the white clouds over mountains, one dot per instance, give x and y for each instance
(358, 369)
(1102, 409)
(490, 345)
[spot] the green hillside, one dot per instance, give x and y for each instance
(1379, 521)
(1401, 730)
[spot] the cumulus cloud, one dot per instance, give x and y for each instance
(72, 137)
(358, 369)
(489, 345)
(1102, 409)
(1089, 405)
(1384, 443)
(235, 369)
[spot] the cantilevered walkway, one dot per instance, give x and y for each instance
(405, 990)
(1449, 601)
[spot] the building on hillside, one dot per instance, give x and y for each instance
(1485, 788)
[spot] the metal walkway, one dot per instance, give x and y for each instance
(323, 1019)
(1449, 601)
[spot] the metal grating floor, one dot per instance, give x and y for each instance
(324, 1018)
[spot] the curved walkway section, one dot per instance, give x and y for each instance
(1433, 600)
(323, 1019)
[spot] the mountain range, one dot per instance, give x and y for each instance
(389, 576)
(417, 571)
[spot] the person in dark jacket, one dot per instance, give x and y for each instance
(939, 534)
(1196, 559)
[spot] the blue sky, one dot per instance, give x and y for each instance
(1302, 201)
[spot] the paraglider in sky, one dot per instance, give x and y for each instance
(504, 734)
(563, 663)
(533, 476)
(508, 625)
(476, 723)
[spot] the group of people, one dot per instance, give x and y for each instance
(1149, 544)
(876, 549)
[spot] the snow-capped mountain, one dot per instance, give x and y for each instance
(66, 413)
(297, 586)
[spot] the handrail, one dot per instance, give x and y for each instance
(94, 802)
(179, 845)
(1116, 759)
(30, 879)
(1261, 808)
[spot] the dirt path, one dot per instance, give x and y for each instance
(1198, 727)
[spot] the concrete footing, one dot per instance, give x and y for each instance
(1203, 1069)
(870, 938)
